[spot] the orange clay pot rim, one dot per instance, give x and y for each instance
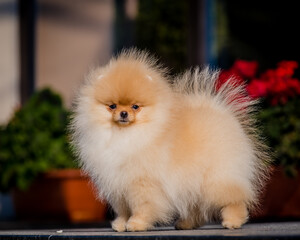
(64, 173)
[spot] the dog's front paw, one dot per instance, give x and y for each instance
(234, 215)
(119, 225)
(232, 224)
(137, 225)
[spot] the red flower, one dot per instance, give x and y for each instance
(295, 85)
(238, 73)
(245, 69)
(288, 64)
(257, 88)
(279, 84)
(276, 85)
(231, 76)
(286, 68)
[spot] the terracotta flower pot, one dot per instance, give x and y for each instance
(64, 195)
(281, 199)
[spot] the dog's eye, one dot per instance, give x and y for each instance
(112, 106)
(135, 107)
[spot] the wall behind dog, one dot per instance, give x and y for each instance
(72, 36)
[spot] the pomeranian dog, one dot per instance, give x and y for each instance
(162, 150)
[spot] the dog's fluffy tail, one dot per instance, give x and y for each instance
(230, 96)
(205, 84)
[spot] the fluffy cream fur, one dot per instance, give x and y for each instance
(185, 151)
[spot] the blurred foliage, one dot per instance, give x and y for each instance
(162, 28)
(34, 141)
(281, 124)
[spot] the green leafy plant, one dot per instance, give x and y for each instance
(34, 141)
(281, 125)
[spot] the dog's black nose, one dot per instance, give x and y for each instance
(124, 114)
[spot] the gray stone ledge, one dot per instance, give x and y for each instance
(278, 230)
